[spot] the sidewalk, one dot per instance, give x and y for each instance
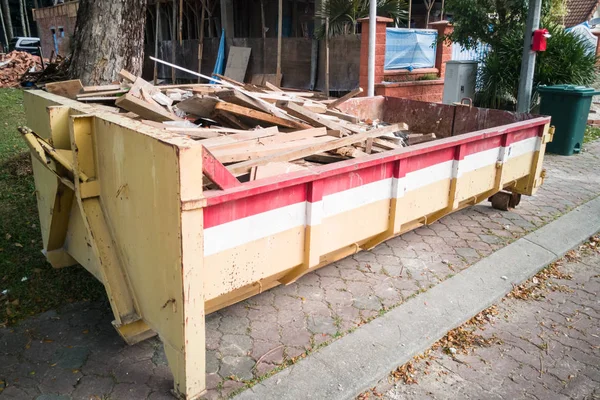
(543, 347)
(75, 352)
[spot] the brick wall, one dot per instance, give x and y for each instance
(59, 19)
(404, 83)
(431, 91)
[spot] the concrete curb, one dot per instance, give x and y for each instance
(359, 360)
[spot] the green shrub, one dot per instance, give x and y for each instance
(569, 59)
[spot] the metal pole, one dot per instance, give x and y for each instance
(201, 41)
(157, 29)
(327, 56)
(409, 12)
(279, 28)
(372, 33)
(528, 61)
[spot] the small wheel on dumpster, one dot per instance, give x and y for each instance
(501, 201)
(515, 199)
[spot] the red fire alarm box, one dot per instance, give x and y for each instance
(540, 37)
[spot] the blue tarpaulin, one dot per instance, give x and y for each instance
(410, 48)
(220, 63)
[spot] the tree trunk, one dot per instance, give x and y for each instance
(4, 36)
(27, 18)
(7, 19)
(23, 26)
(109, 36)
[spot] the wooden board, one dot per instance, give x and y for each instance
(295, 154)
(259, 116)
(276, 168)
(237, 63)
(345, 98)
(68, 89)
(262, 79)
(144, 109)
(100, 94)
(313, 118)
(264, 140)
(102, 88)
(202, 106)
(247, 152)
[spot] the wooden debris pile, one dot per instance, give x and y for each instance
(14, 65)
(254, 131)
(54, 69)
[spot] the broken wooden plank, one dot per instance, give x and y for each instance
(100, 94)
(145, 109)
(344, 98)
(202, 106)
(295, 154)
(369, 145)
(349, 151)
(274, 169)
(421, 139)
(101, 98)
(68, 89)
(139, 84)
(313, 118)
(216, 172)
(239, 137)
(101, 88)
(124, 74)
(229, 119)
(341, 115)
(271, 139)
(258, 115)
(226, 155)
(274, 88)
(148, 97)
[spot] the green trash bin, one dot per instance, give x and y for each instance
(569, 107)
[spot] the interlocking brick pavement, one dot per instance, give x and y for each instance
(75, 353)
(545, 349)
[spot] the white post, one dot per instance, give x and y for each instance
(372, 33)
(528, 61)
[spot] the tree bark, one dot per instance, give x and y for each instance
(27, 18)
(7, 19)
(23, 26)
(4, 36)
(109, 36)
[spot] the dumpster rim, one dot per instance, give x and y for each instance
(214, 197)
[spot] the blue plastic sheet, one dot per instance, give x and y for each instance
(220, 63)
(410, 48)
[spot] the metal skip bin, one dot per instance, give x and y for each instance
(126, 201)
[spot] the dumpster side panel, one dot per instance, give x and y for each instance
(303, 220)
(139, 192)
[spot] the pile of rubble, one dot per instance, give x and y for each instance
(16, 64)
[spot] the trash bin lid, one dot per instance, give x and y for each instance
(569, 90)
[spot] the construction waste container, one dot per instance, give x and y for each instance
(569, 106)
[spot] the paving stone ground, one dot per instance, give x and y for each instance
(547, 349)
(75, 353)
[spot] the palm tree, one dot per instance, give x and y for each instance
(344, 14)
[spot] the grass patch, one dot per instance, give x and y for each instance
(32, 285)
(591, 133)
